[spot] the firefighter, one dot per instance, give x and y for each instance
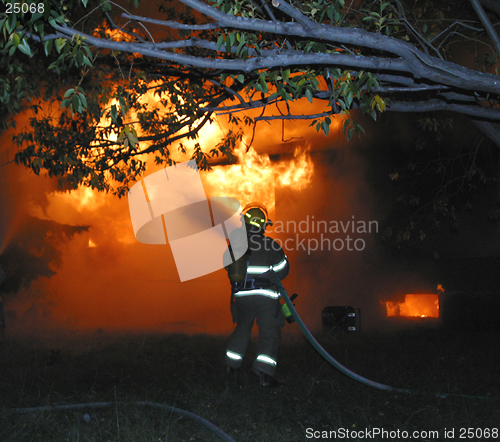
(254, 298)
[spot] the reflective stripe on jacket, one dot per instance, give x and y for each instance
(264, 254)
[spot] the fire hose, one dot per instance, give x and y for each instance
(215, 430)
(274, 277)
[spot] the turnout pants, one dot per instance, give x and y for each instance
(267, 313)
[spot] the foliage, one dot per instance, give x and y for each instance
(26, 259)
(122, 87)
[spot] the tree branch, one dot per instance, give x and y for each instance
(293, 117)
(283, 59)
(441, 105)
(172, 24)
(490, 29)
(491, 129)
(420, 64)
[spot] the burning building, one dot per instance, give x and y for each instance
(326, 219)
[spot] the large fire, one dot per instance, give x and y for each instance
(107, 279)
(415, 305)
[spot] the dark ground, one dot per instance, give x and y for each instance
(187, 372)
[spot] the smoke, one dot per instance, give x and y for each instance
(329, 229)
(31, 243)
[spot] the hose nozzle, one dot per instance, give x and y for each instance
(286, 311)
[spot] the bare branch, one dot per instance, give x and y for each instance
(173, 24)
(232, 92)
(293, 117)
(442, 105)
(490, 29)
(295, 14)
(132, 34)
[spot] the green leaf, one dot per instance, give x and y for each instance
(240, 47)
(349, 98)
(326, 128)
(309, 95)
(114, 113)
(123, 106)
(132, 139)
(86, 61)
(25, 48)
(220, 41)
(263, 84)
(59, 42)
(330, 12)
(12, 23)
(75, 103)
(47, 46)
(83, 100)
(16, 39)
(228, 43)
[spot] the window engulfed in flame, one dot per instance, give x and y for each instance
(255, 177)
(415, 305)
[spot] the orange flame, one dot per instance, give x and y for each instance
(255, 177)
(416, 305)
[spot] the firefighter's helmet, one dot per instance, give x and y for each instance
(256, 217)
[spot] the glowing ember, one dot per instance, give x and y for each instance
(419, 305)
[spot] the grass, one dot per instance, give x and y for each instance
(187, 372)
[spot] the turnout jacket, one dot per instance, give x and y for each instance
(247, 274)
